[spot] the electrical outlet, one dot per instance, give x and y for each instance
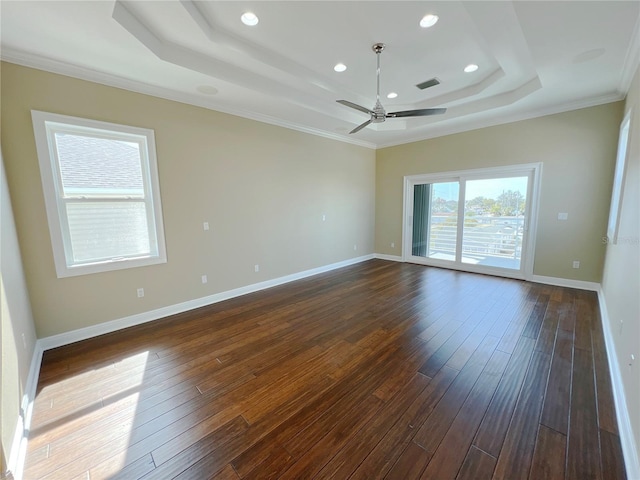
(355, 247)
(256, 268)
(576, 264)
(324, 218)
(140, 292)
(205, 226)
(393, 245)
(563, 216)
(204, 279)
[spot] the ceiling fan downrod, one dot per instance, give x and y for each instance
(378, 114)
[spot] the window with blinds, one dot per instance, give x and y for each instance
(102, 195)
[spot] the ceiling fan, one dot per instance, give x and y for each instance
(378, 114)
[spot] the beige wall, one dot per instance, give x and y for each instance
(577, 150)
(621, 279)
(263, 189)
(17, 323)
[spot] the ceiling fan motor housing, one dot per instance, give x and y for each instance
(378, 47)
(378, 114)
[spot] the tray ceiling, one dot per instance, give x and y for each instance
(533, 57)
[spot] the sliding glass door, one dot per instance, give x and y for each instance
(475, 220)
(435, 220)
(494, 221)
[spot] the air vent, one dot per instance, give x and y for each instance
(429, 83)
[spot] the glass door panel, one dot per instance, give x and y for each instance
(435, 220)
(494, 222)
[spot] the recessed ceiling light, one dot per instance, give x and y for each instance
(340, 67)
(249, 18)
(429, 20)
(472, 67)
(392, 95)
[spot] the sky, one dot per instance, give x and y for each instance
(488, 188)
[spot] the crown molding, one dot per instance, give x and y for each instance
(631, 60)
(82, 73)
(441, 131)
(62, 68)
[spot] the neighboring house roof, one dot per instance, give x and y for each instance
(90, 163)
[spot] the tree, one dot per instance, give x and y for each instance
(511, 203)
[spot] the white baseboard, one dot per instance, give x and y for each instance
(392, 258)
(566, 282)
(18, 450)
(66, 338)
(14, 459)
(625, 430)
(19, 446)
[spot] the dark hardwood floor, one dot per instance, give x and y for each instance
(378, 370)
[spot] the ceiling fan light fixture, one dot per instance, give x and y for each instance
(429, 20)
(472, 67)
(340, 67)
(392, 95)
(249, 18)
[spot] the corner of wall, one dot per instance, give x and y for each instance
(627, 440)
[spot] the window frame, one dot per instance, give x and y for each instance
(619, 176)
(45, 125)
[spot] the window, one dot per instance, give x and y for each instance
(100, 183)
(618, 181)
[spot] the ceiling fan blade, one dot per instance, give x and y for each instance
(360, 127)
(417, 113)
(347, 103)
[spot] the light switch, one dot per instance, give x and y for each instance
(563, 216)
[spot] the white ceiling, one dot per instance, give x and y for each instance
(535, 57)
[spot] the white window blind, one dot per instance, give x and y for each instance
(102, 195)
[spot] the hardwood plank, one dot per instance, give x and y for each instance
(547, 337)
(411, 463)
(613, 467)
(320, 378)
(227, 473)
(450, 453)
(514, 460)
(493, 428)
(360, 444)
(549, 455)
(477, 465)
(435, 427)
(442, 355)
(313, 459)
(278, 461)
(584, 321)
(518, 320)
(583, 451)
(555, 412)
(478, 334)
(534, 322)
(388, 450)
(136, 469)
(184, 459)
(339, 397)
(604, 391)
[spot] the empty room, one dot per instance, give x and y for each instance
(320, 239)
